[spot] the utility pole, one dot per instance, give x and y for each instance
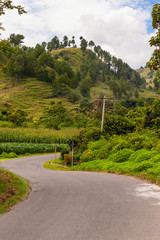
(72, 151)
(103, 112)
(55, 152)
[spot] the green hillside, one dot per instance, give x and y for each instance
(73, 56)
(33, 93)
(148, 75)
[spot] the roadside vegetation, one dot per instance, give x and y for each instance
(135, 154)
(13, 189)
(54, 93)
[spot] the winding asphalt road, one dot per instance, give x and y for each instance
(81, 206)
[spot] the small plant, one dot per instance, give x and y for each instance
(68, 159)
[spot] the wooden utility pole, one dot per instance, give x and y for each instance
(72, 151)
(103, 112)
(55, 152)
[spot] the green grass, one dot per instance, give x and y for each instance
(75, 56)
(13, 189)
(99, 88)
(144, 73)
(56, 164)
(29, 94)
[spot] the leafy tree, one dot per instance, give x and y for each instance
(18, 117)
(37, 51)
(53, 44)
(65, 41)
(136, 93)
(83, 45)
(5, 46)
(115, 124)
(7, 5)
(44, 45)
(54, 115)
(97, 49)
(91, 44)
(73, 97)
(16, 65)
(45, 63)
(73, 41)
(152, 118)
(154, 62)
(16, 39)
(85, 87)
(156, 84)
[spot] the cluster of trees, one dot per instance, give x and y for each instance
(13, 117)
(20, 61)
(120, 117)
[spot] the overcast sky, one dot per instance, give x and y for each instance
(122, 27)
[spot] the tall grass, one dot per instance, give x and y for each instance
(26, 135)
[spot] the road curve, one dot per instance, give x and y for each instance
(80, 206)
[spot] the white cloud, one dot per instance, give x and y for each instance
(119, 26)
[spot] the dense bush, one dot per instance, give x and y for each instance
(23, 148)
(135, 154)
(121, 156)
(68, 159)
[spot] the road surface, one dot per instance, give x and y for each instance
(81, 206)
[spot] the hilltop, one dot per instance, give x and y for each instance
(33, 77)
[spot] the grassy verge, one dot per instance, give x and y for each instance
(13, 189)
(56, 165)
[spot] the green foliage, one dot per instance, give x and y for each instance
(86, 136)
(152, 118)
(23, 148)
(8, 155)
(115, 124)
(16, 39)
(121, 156)
(18, 117)
(29, 137)
(54, 115)
(83, 45)
(13, 189)
(53, 166)
(67, 159)
(154, 63)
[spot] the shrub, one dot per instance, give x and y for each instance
(141, 166)
(155, 170)
(156, 158)
(88, 156)
(146, 155)
(136, 154)
(121, 156)
(68, 159)
(86, 136)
